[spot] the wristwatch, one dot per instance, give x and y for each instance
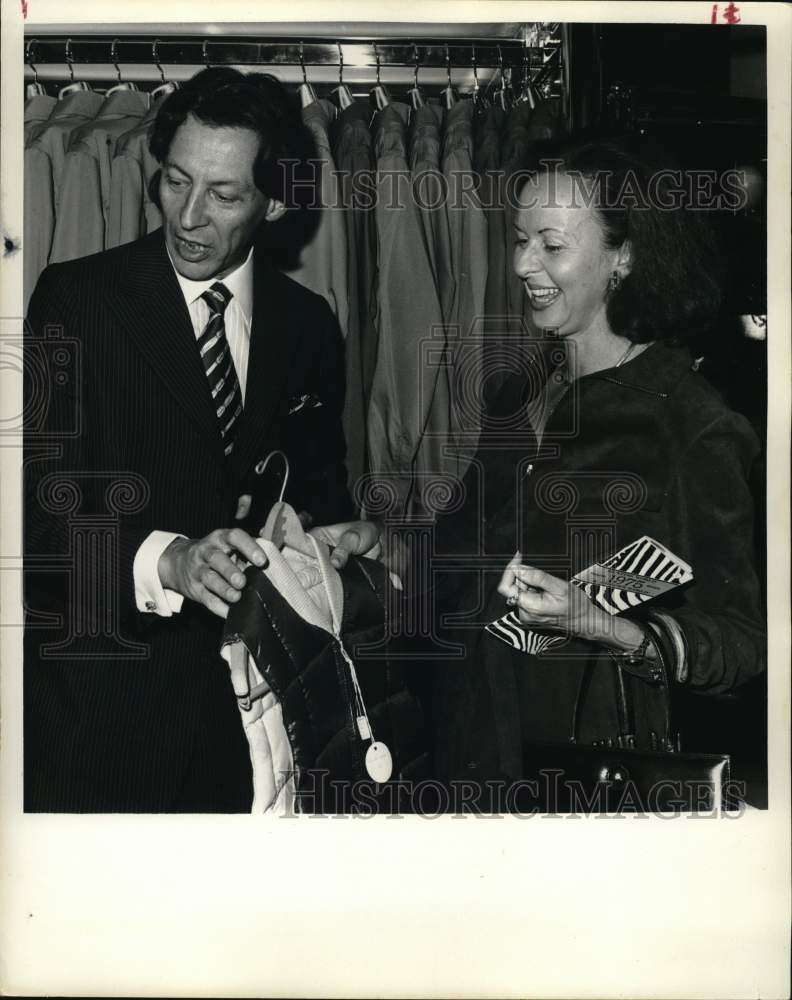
(633, 657)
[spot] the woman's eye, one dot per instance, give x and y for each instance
(553, 247)
(222, 198)
(520, 241)
(174, 182)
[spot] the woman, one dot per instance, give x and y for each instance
(619, 439)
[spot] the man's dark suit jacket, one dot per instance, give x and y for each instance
(122, 707)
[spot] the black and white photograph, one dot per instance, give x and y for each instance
(396, 499)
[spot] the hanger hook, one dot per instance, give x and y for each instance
(70, 60)
(448, 63)
(30, 49)
(417, 65)
(114, 57)
(377, 57)
(340, 65)
(205, 52)
(475, 70)
(302, 63)
(155, 55)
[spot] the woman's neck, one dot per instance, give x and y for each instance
(598, 348)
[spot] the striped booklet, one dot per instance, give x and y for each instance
(637, 573)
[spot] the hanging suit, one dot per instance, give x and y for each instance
(468, 227)
(355, 162)
(81, 222)
(409, 411)
(430, 196)
(43, 170)
(323, 261)
(37, 110)
(131, 212)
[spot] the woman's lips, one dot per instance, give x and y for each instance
(541, 298)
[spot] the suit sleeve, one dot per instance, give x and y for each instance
(722, 618)
(63, 486)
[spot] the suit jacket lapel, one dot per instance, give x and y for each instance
(272, 347)
(150, 305)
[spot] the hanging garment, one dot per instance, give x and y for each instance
(430, 191)
(468, 227)
(37, 110)
(43, 168)
(323, 261)
(313, 715)
(81, 222)
(132, 213)
(504, 332)
(409, 412)
(355, 162)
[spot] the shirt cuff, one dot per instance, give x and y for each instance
(150, 596)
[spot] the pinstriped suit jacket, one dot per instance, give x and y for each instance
(121, 438)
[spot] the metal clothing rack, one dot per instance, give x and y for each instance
(466, 63)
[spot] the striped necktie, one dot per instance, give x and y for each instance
(219, 365)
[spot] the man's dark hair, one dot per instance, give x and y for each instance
(224, 97)
(673, 292)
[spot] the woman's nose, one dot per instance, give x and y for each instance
(526, 261)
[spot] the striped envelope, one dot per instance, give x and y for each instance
(637, 573)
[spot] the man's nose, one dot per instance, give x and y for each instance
(193, 212)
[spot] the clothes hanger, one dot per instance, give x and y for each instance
(307, 93)
(504, 98)
(379, 95)
(167, 86)
(74, 86)
(449, 94)
(34, 89)
(414, 93)
(121, 84)
(480, 102)
(528, 94)
(342, 95)
(283, 527)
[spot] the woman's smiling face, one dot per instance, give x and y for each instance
(560, 255)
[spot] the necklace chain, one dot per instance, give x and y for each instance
(624, 356)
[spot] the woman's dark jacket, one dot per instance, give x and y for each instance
(648, 448)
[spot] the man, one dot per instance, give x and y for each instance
(193, 360)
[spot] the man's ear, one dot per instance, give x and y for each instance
(275, 210)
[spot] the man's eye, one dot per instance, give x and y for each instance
(520, 241)
(174, 182)
(553, 247)
(222, 198)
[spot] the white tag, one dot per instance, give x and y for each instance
(363, 727)
(379, 763)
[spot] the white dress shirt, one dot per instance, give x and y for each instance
(150, 595)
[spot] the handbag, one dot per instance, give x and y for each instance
(614, 775)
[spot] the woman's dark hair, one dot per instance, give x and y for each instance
(224, 97)
(673, 291)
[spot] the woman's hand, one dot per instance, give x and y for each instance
(543, 600)
(546, 601)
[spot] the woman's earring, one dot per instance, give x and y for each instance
(614, 282)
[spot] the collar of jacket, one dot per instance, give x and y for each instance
(657, 371)
(357, 112)
(123, 104)
(149, 304)
(81, 104)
